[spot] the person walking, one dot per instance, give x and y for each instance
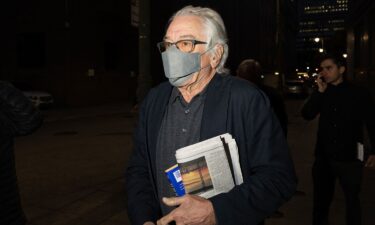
(251, 70)
(201, 101)
(344, 111)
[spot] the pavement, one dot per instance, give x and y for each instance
(61, 114)
(103, 203)
(53, 196)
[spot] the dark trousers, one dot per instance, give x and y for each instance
(349, 175)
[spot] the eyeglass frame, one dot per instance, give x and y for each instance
(193, 41)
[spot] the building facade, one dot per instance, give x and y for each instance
(89, 52)
(321, 28)
(82, 52)
(361, 43)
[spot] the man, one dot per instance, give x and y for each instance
(198, 103)
(344, 111)
(250, 69)
(17, 117)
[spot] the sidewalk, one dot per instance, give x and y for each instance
(94, 195)
(59, 114)
(102, 202)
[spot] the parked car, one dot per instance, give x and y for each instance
(40, 99)
(295, 87)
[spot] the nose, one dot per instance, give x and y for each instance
(323, 72)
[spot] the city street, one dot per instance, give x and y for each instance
(87, 65)
(71, 170)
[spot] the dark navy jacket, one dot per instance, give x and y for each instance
(344, 112)
(234, 106)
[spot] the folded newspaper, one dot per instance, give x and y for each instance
(207, 168)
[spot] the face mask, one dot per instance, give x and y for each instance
(180, 66)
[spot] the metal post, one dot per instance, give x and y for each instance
(144, 76)
(350, 39)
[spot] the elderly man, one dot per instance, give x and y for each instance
(200, 102)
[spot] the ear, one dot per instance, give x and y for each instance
(342, 69)
(217, 55)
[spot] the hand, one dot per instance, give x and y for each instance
(322, 86)
(148, 223)
(192, 210)
(370, 162)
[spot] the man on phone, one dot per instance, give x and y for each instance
(345, 110)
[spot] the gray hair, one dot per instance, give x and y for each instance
(215, 30)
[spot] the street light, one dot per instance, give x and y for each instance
(317, 40)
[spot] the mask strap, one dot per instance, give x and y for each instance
(207, 50)
(199, 77)
(201, 67)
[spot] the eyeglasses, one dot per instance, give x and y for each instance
(183, 45)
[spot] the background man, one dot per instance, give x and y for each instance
(344, 110)
(17, 117)
(251, 70)
(198, 103)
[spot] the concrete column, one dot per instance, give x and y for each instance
(350, 51)
(144, 76)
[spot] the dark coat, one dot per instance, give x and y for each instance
(345, 110)
(17, 117)
(232, 106)
(278, 106)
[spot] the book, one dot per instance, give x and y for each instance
(174, 177)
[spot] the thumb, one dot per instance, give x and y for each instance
(174, 201)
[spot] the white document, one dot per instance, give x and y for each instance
(210, 167)
(360, 151)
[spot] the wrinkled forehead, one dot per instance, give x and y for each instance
(186, 27)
